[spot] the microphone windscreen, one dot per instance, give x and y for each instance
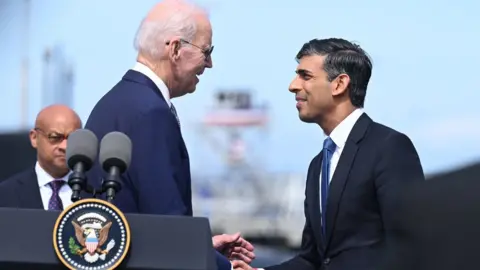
(115, 150)
(82, 146)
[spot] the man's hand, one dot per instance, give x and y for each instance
(241, 265)
(234, 247)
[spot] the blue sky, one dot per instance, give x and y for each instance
(424, 81)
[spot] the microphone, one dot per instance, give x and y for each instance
(115, 155)
(82, 149)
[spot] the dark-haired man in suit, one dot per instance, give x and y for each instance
(44, 186)
(354, 182)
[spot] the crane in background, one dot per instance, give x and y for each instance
(246, 197)
(24, 83)
(58, 78)
(58, 73)
(232, 116)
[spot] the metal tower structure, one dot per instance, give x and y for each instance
(233, 116)
(247, 197)
(24, 98)
(58, 78)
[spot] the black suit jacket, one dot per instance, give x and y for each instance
(376, 163)
(21, 191)
(437, 226)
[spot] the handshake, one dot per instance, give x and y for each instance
(239, 251)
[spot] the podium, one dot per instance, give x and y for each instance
(157, 242)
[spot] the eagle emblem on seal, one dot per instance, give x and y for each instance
(91, 232)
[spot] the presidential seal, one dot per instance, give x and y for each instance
(91, 234)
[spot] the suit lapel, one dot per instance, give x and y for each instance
(342, 171)
(138, 77)
(313, 200)
(28, 191)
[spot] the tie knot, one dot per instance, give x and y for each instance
(329, 145)
(172, 108)
(56, 185)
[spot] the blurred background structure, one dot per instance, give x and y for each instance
(58, 78)
(248, 149)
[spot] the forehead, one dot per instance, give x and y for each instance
(61, 123)
(204, 32)
(311, 63)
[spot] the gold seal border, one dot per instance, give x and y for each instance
(98, 201)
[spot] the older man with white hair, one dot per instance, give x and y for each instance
(174, 44)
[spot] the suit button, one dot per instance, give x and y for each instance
(326, 261)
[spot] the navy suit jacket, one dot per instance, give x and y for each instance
(158, 179)
(21, 191)
(375, 165)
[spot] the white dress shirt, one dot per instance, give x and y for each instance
(156, 80)
(43, 178)
(339, 136)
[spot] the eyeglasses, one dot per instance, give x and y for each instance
(53, 137)
(206, 52)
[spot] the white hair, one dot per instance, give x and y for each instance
(152, 35)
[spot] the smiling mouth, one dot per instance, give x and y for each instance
(300, 102)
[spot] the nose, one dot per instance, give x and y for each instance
(63, 145)
(209, 62)
(295, 85)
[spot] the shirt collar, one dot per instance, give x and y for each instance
(44, 178)
(340, 134)
(156, 80)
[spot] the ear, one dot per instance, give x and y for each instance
(33, 138)
(340, 84)
(174, 48)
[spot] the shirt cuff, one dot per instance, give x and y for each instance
(252, 268)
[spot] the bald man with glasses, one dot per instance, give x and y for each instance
(44, 186)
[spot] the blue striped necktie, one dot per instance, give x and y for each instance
(328, 150)
(174, 111)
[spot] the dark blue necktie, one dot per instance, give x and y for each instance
(174, 111)
(328, 150)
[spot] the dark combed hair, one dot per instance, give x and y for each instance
(343, 57)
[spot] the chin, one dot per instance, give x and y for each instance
(306, 118)
(61, 162)
(192, 89)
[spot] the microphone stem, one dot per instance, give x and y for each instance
(114, 172)
(77, 180)
(79, 167)
(112, 183)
